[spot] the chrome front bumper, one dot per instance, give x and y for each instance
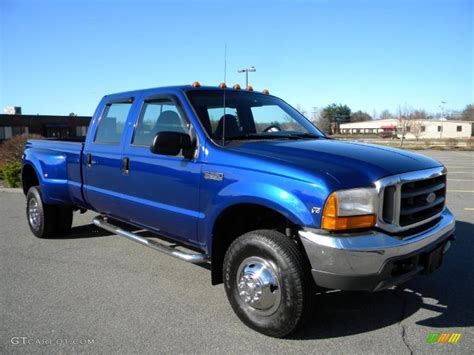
(372, 260)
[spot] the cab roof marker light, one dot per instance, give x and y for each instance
(236, 87)
(196, 84)
(249, 88)
(266, 92)
(223, 86)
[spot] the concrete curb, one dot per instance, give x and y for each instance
(11, 190)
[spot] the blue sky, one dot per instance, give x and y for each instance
(58, 57)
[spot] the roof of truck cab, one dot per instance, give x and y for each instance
(173, 89)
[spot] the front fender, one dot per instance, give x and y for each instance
(287, 203)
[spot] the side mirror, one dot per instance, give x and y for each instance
(171, 143)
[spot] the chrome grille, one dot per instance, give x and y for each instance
(411, 199)
(422, 199)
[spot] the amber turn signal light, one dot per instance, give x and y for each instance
(331, 220)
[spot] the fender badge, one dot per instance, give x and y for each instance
(211, 175)
(315, 210)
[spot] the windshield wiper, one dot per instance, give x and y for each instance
(250, 136)
(304, 135)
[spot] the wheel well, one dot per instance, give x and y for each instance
(237, 220)
(28, 178)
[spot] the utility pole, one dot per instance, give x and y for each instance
(246, 71)
(442, 108)
(442, 118)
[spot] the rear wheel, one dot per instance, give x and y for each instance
(46, 220)
(267, 283)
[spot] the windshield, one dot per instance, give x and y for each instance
(249, 115)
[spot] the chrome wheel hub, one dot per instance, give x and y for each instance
(33, 213)
(258, 285)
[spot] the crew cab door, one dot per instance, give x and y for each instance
(162, 191)
(102, 165)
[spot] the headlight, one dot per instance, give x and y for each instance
(350, 209)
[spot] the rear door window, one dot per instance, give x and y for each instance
(112, 123)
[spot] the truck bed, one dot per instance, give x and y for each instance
(60, 174)
(69, 139)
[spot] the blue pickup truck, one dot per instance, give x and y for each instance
(241, 180)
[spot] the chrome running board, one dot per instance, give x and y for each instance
(102, 222)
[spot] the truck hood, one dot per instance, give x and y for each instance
(350, 164)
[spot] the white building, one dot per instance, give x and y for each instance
(422, 128)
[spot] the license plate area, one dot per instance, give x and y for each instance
(433, 259)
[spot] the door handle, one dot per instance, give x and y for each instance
(125, 165)
(89, 160)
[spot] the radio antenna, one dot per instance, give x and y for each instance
(225, 88)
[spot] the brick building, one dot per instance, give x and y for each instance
(44, 125)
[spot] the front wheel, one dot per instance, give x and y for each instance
(267, 283)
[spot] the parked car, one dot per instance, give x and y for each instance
(244, 182)
(389, 132)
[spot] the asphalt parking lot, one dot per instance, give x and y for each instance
(94, 292)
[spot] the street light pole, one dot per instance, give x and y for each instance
(442, 118)
(246, 71)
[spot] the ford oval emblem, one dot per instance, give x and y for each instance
(431, 197)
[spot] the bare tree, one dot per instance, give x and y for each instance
(374, 114)
(302, 110)
(403, 122)
(385, 114)
(468, 113)
(416, 122)
(315, 115)
(416, 127)
(324, 123)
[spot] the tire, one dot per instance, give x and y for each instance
(268, 283)
(46, 221)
